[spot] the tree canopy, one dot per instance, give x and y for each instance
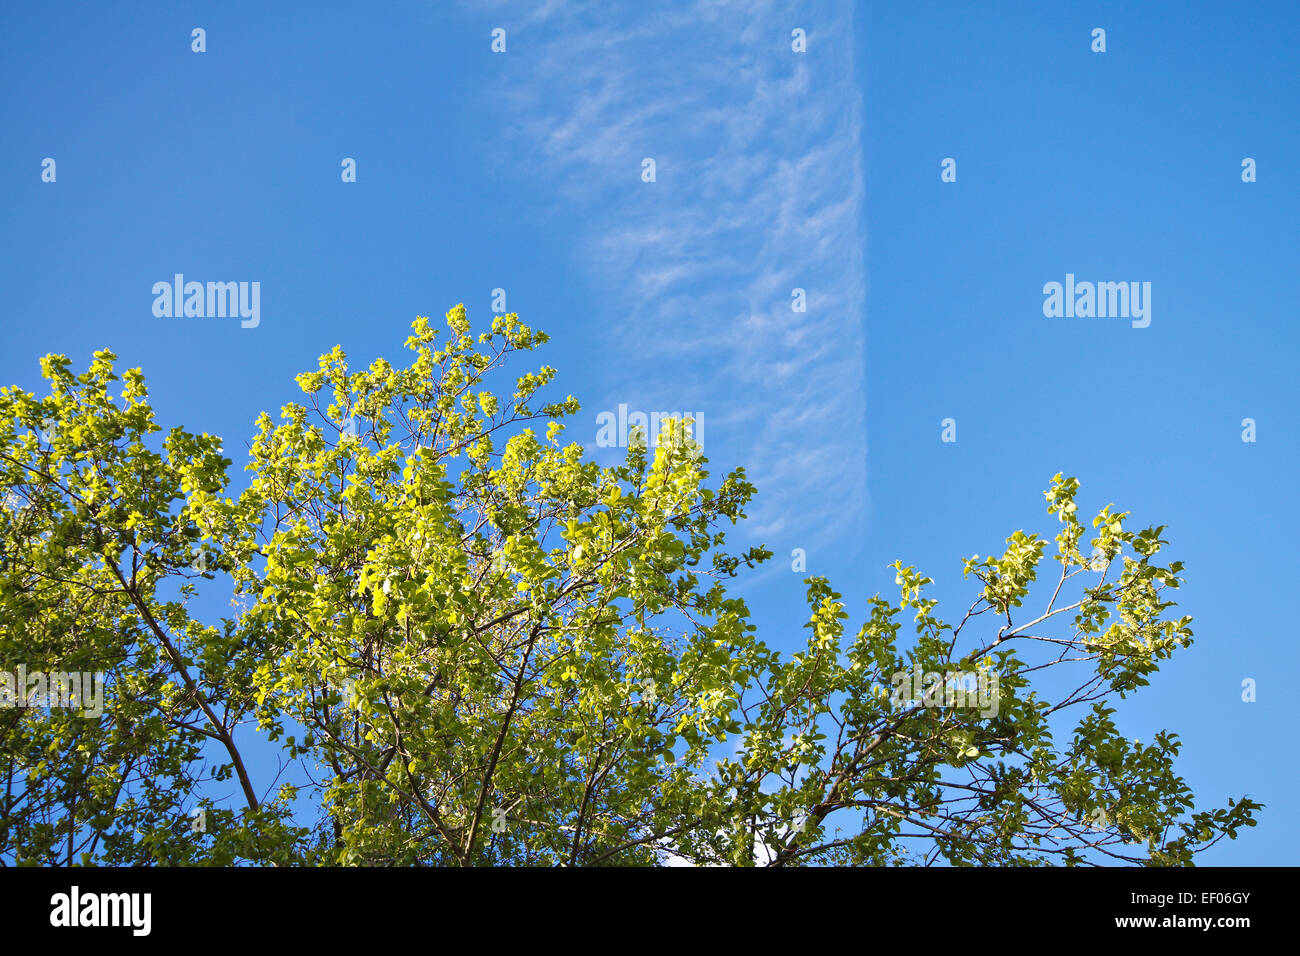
(466, 643)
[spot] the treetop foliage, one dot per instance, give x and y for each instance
(468, 644)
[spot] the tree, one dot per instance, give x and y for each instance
(474, 646)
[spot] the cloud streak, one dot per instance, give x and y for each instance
(759, 191)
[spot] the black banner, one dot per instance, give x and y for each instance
(338, 905)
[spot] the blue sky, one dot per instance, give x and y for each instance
(773, 171)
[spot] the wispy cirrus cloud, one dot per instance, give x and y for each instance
(758, 191)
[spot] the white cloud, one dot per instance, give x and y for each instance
(759, 190)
